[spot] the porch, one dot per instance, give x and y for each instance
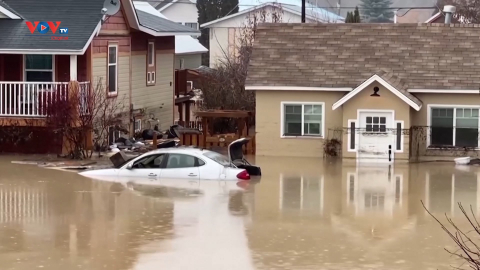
(29, 83)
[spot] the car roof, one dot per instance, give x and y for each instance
(181, 149)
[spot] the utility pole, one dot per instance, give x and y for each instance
(303, 11)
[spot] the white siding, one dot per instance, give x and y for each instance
(219, 39)
(182, 12)
(191, 61)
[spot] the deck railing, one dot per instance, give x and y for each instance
(31, 99)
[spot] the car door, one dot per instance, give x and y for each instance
(147, 168)
(181, 170)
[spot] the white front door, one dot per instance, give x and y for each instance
(376, 140)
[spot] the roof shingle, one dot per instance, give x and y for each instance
(433, 56)
(80, 17)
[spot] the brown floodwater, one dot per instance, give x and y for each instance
(304, 214)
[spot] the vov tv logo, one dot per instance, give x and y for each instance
(44, 28)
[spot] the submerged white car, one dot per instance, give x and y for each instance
(184, 163)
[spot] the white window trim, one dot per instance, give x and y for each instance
(349, 124)
(321, 179)
(116, 69)
(139, 123)
(185, 23)
(182, 63)
(445, 106)
(25, 69)
(115, 131)
(282, 119)
(402, 139)
(152, 56)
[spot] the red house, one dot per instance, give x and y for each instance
(45, 44)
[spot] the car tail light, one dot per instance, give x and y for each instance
(243, 175)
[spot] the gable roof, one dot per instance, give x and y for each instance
(184, 44)
(164, 26)
(312, 13)
(80, 17)
(8, 11)
(168, 3)
(386, 78)
(426, 56)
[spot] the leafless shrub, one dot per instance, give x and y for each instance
(468, 249)
(86, 109)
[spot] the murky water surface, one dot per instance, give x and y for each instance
(304, 214)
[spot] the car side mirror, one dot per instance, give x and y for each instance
(129, 166)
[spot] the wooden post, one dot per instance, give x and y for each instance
(187, 112)
(155, 143)
(180, 111)
(204, 131)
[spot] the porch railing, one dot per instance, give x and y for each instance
(31, 99)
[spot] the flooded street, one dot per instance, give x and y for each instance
(304, 214)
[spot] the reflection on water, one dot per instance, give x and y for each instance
(304, 214)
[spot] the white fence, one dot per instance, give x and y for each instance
(31, 99)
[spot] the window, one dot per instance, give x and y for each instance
(151, 63)
(192, 25)
(149, 162)
(151, 54)
(112, 68)
(454, 127)
(303, 119)
(138, 125)
(113, 135)
(376, 124)
(39, 68)
(217, 157)
(181, 161)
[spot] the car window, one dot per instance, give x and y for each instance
(217, 157)
(200, 162)
(149, 162)
(180, 161)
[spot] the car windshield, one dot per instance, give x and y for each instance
(217, 157)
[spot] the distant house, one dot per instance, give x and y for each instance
(226, 32)
(181, 11)
(131, 53)
(188, 50)
(380, 92)
(409, 11)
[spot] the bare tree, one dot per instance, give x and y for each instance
(468, 249)
(468, 11)
(83, 117)
(224, 87)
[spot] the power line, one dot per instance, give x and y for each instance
(323, 7)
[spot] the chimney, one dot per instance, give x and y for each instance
(449, 11)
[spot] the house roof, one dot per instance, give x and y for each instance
(80, 17)
(184, 44)
(425, 56)
(390, 81)
(8, 11)
(312, 12)
(167, 3)
(163, 25)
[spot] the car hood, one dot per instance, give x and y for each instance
(235, 149)
(103, 174)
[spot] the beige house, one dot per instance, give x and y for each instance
(385, 92)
